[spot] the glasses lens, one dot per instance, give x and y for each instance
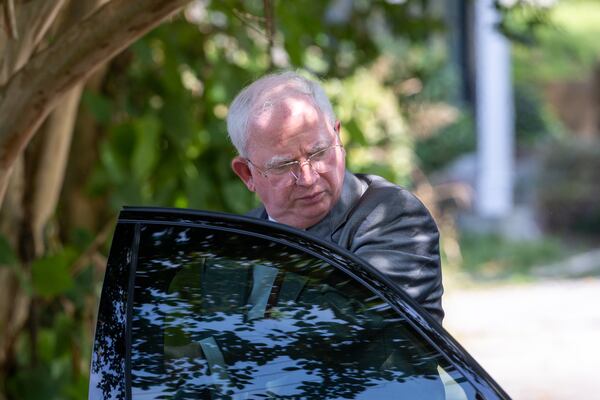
(287, 174)
(322, 161)
(281, 181)
(279, 170)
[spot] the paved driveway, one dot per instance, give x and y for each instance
(539, 341)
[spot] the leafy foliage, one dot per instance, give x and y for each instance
(565, 48)
(523, 19)
(51, 276)
(166, 143)
(569, 188)
(437, 151)
(7, 255)
(533, 121)
(493, 257)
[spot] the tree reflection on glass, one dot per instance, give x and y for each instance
(221, 315)
(107, 373)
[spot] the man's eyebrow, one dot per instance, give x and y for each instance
(320, 145)
(278, 160)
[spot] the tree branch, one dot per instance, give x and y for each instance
(50, 162)
(33, 19)
(93, 249)
(11, 20)
(269, 28)
(33, 91)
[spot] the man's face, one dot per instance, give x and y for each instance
(292, 130)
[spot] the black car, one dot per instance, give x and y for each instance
(203, 305)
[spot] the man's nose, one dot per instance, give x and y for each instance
(307, 176)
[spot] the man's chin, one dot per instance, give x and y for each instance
(315, 216)
(304, 220)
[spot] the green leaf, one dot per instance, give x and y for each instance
(237, 197)
(33, 383)
(46, 344)
(65, 328)
(355, 133)
(114, 172)
(145, 153)
(7, 255)
(51, 275)
(197, 191)
(80, 238)
(99, 106)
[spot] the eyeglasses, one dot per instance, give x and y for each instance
(288, 173)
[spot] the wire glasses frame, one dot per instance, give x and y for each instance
(288, 173)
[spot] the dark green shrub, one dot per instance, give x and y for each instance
(532, 120)
(438, 150)
(569, 187)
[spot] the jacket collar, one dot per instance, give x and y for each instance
(352, 189)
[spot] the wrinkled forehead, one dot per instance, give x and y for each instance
(284, 109)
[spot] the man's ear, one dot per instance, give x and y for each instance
(240, 166)
(337, 126)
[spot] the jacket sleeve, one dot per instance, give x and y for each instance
(398, 236)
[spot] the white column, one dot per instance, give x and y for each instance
(494, 115)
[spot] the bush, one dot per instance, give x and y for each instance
(532, 120)
(437, 151)
(493, 257)
(569, 187)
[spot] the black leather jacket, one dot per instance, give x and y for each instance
(391, 229)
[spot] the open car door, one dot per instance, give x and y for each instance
(199, 305)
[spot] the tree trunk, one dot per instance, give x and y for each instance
(77, 209)
(32, 92)
(50, 166)
(33, 19)
(36, 79)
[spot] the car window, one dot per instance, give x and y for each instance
(225, 315)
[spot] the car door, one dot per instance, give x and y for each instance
(199, 305)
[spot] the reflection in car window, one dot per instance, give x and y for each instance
(223, 315)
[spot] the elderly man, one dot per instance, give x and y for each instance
(291, 155)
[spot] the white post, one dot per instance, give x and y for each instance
(494, 115)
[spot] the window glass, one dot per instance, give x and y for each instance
(223, 315)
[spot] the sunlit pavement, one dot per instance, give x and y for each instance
(539, 341)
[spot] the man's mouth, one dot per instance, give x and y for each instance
(312, 197)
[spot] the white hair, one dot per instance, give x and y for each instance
(265, 92)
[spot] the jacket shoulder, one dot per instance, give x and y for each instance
(382, 193)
